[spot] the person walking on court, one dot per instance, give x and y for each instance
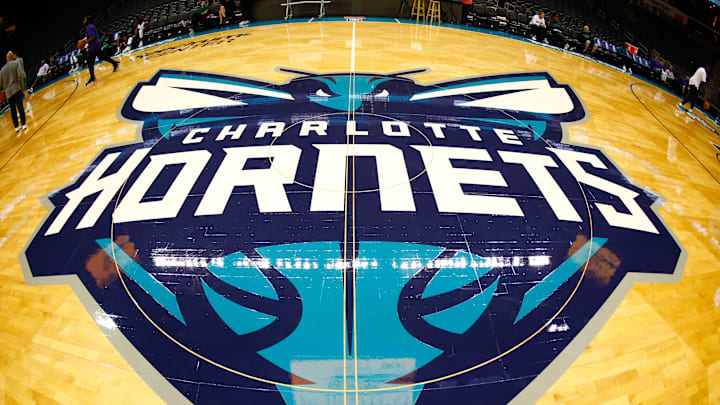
(696, 81)
(92, 39)
(11, 81)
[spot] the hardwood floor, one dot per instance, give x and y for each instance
(660, 346)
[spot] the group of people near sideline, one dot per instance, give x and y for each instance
(539, 31)
(13, 80)
(690, 86)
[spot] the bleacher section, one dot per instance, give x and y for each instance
(168, 18)
(165, 19)
(608, 33)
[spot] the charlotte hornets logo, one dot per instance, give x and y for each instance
(352, 238)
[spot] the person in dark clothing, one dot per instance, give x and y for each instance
(227, 11)
(685, 86)
(246, 8)
(557, 37)
(108, 46)
(466, 5)
(655, 64)
(656, 67)
(12, 76)
(92, 38)
(586, 39)
(199, 16)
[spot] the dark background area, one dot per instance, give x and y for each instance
(42, 27)
(46, 28)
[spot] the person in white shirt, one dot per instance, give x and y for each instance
(43, 69)
(667, 76)
(141, 31)
(696, 81)
(670, 73)
(538, 29)
(42, 72)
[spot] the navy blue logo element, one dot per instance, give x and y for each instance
(352, 238)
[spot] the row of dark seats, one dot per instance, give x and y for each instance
(515, 18)
(169, 19)
(164, 19)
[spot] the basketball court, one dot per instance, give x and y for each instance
(359, 212)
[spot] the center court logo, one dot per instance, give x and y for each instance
(352, 238)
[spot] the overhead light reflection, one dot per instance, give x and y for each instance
(361, 263)
(554, 328)
(104, 320)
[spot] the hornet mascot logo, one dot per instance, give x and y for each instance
(351, 238)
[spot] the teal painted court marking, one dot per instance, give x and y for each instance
(238, 271)
(145, 280)
(456, 272)
(240, 319)
(362, 85)
(540, 292)
(461, 317)
(319, 335)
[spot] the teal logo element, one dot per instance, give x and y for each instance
(377, 349)
(346, 93)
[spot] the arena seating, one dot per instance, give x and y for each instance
(168, 18)
(165, 19)
(608, 33)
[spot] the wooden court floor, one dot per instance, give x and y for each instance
(661, 345)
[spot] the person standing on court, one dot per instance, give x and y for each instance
(11, 81)
(92, 39)
(696, 81)
(21, 61)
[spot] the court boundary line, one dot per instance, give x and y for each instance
(632, 90)
(674, 277)
(14, 154)
(354, 233)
